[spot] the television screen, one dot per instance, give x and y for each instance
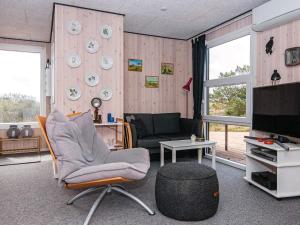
(276, 109)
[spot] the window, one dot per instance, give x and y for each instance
(227, 100)
(230, 59)
(227, 93)
(20, 84)
(228, 83)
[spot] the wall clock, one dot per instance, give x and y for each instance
(74, 27)
(292, 56)
(73, 93)
(74, 60)
(106, 62)
(106, 94)
(91, 79)
(92, 46)
(106, 31)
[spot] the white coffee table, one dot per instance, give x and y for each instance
(186, 145)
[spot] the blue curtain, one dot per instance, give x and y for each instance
(199, 60)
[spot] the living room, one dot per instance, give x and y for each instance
(149, 112)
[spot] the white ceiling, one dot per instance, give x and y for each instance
(31, 19)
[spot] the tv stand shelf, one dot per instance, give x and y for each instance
(287, 168)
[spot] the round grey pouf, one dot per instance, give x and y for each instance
(187, 191)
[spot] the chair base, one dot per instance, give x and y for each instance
(108, 189)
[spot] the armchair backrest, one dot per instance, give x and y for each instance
(42, 123)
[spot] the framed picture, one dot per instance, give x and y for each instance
(167, 68)
(135, 65)
(151, 81)
(292, 56)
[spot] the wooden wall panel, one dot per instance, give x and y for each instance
(169, 97)
(64, 44)
(285, 36)
(232, 26)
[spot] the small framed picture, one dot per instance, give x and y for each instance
(135, 65)
(292, 56)
(151, 81)
(167, 68)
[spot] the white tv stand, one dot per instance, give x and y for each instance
(287, 168)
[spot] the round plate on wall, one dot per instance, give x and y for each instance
(91, 79)
(74, 60)
(73, 93)
(92, 46)
(106, 62)
(106, 94)
(74, 27)
(106, 31)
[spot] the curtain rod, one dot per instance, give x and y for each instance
(224, 24)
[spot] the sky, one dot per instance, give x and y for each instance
(20, 73)
(225, 57)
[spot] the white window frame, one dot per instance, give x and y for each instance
(30, 49)
(235, 80)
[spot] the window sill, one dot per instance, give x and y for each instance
(5, 126)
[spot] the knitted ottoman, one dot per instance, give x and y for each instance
(187, 191)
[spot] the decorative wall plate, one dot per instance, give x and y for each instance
(74, 60)
(91, 79)
(106, 31)
(92, 46)
(106, 62)
(74, 27)
(73, 93)
(106, 94)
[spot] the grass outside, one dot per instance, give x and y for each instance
(231, 128)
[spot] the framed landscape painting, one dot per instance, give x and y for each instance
(151, 81)
(135, 65)
(167, 68)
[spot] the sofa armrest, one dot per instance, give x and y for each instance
(134, 135)
(191, 126)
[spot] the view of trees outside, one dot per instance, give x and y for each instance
(18, 108)
(19, 86)
(229, 100)
(227, 60)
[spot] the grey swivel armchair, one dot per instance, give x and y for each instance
(82, 160)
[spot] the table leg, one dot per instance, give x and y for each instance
(162, 156)
(213, 160)
(199, 155)
(173, 156)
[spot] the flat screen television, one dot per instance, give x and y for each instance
(276, 109)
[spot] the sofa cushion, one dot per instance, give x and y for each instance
(140, 128)
(166, 123)
(151, 142)
(175, 137)
(132, 164)
(146, 118)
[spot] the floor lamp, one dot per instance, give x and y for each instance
(187, 89)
